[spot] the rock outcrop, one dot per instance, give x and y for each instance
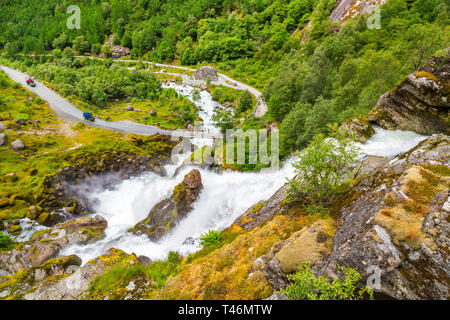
(421, 103)
(204, 73)
(46, 244)
(62, 279)
(394, 219)
(360, 127)
(167, 213)
(346, 9)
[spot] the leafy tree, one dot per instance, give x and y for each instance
(106, 51)
(245, 102)
(223, 119)
(323, 166)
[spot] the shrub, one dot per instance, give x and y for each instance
(323, 166)
(6, 242)
(210, 238)
(306, 286)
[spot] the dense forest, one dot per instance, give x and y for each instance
(312, 71)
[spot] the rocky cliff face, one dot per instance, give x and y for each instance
(346, 9)
(395, 219)
(166, 214)
(421, 103)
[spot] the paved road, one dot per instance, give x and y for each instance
(261, 106)
(68, 111)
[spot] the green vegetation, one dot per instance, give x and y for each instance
(94, 82)
(245, 102)
(212, 237)
(51, 145)
(306, 286)
(311, 74)
(322, 168)
(337, 75)
(6, 242)
(119, 276)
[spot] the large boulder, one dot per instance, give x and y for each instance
(3, 139)
(17, 145)
(204, 73)
(360, 127)
(420, 103)
(165, 215)
(47, 244)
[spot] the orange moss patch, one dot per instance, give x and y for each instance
(424, 74)
(226, 272)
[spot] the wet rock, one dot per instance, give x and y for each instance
(420, 103)
(33, 212)
(189, 241)
(138, 110)
(204, 73)
(2, 126)
(129, 108)
(17, 145)
(152, 113)
(75, 286)
(3, 139)
(46, 244)
(31, 279)
(144, 260)
(21, 122)
(360, 127)
(165, 215)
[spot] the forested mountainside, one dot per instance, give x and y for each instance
(88, 177)
(313, 71)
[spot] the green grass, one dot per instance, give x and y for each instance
(119, 276)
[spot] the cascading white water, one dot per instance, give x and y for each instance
(224, 197)
(387, 143)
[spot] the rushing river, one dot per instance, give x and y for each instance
(224, 198)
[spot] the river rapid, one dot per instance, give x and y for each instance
(224, 198)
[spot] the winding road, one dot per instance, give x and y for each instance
(224, 80)
(68, 111)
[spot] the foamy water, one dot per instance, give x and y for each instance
(224, 197)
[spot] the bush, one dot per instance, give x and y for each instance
(6, 242)
(210, 238)
(306, 286)
(323, 166)
(245, 102)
